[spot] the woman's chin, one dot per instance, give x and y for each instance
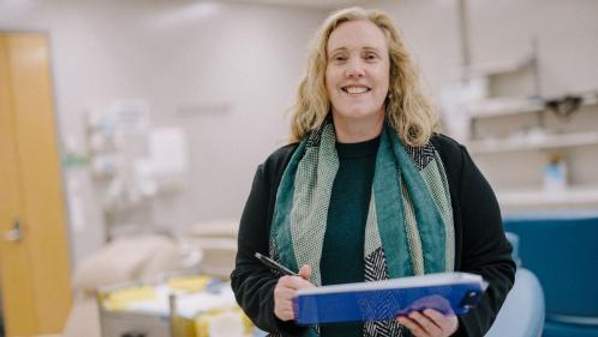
(358, 115)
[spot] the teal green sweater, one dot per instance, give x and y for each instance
(342, 253)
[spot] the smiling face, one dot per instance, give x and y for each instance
(357, 71)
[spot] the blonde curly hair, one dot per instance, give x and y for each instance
(407, 109)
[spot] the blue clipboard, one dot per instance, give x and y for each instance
(449, 293)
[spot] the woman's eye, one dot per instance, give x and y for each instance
(370, 56)
(340, 58)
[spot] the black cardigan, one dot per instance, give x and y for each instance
(480, 243)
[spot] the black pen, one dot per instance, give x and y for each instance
(275, 265)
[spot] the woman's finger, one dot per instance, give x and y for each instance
(438, 318)
(305, 271)
(297, 282)
(415, 329)
(284, 309)
(290, 313)
(282, 292)
(427, 324)
(285, 316)
(285, 281)
(448, 323)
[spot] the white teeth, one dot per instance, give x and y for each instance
(356, 90)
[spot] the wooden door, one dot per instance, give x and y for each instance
(34, 248)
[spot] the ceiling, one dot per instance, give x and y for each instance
(308, 3)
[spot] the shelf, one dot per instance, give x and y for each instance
(570, 196)
(498, 68)
(505, 106)
(534, 142)
(590, 99)
(494, 107)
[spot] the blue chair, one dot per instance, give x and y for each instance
(562, 250)
(522, 313)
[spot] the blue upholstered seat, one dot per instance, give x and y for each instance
(562, 251)
(522, 313)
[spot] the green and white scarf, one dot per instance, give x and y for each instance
(409, 227)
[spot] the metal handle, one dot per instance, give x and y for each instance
(16, 233)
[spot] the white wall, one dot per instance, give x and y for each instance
(567, 32)
(176, 55)
(250, 57)
(429, 29)
(567, 37)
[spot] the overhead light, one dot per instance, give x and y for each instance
(191, 12)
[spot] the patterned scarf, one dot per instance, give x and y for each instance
(409, 228)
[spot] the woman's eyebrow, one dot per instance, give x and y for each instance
(337, 49)
(367, 48)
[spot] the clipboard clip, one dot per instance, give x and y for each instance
(470, 299)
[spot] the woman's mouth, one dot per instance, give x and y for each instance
(355, 89)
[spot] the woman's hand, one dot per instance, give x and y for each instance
(286, 289)
(429, 323)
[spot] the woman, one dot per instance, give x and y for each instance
(367, 191)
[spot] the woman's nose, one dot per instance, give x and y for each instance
(354, 69)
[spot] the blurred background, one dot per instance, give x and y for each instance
(130, 132)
